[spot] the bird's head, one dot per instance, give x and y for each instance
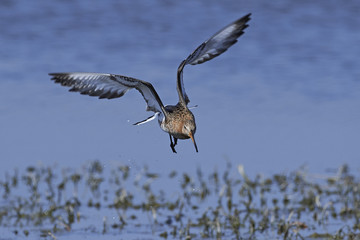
(189, 130)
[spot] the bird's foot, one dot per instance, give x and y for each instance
(172, 145)
(173, 148)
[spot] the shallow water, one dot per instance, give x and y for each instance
(286, 95)
(126, 203)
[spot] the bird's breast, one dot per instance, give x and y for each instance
(174, 128)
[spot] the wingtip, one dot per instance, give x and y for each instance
(243, 21)
(247, 17)
(54, 74)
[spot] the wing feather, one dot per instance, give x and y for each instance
(219, 42)
(109, 86)
(211, 48)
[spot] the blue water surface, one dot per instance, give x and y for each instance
(286, 95)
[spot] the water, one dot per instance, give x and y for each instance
(286, 95)
(132, 203)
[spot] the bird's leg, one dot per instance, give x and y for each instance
(172, 145)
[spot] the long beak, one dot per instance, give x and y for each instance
(193, 139)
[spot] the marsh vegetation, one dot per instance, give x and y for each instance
(50, 203)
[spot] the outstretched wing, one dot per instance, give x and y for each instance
(109, 86)
(219, 42)
(211, 48)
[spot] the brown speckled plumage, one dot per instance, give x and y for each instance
(178, 116)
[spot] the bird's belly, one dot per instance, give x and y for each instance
(172, 132)
(179, 136)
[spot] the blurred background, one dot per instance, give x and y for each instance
(285, 96)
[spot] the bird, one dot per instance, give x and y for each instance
(176, 120)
